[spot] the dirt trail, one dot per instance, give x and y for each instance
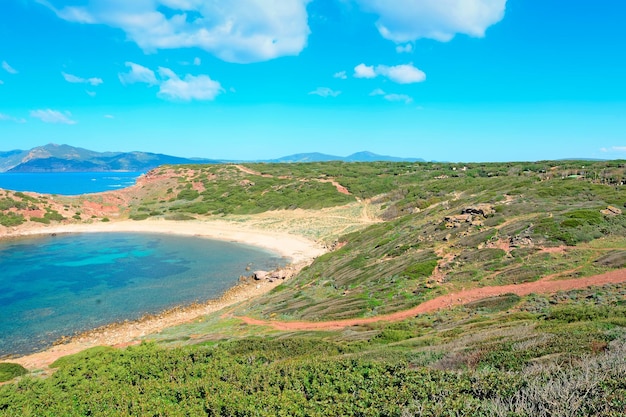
(449, 300)
(252, 172)
(340, 188)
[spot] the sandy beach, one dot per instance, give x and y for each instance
(299, 250)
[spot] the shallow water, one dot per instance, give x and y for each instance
(56, 286)
(67, 183)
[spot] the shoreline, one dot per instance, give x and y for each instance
(299, 250)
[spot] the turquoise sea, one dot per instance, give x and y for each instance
(67, 183)
(56, 286)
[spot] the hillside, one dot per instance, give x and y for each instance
(364, 156)
(65, 158)
(398, 317)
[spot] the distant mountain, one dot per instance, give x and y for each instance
(305, 157)
(65, 158)
(355, 157)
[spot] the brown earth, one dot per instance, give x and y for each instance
(449, 300)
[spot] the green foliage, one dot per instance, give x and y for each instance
(10, 371)
(9, 203)
(469, 360)
(188, 194)
(576, 313)
(233, 381)
(53, 215)
(11, 219)
(421, 270)
(495, 304)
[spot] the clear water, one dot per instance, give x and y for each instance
(67, 183)
(56, 286)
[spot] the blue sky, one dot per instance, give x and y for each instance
(455, 80)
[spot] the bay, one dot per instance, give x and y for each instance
(67, 183)
(52, 287)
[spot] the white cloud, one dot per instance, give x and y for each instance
(53, 116)
(407, 20)
(364, 71)
(408, 48)
(341, 75)
(8, 68)
(197, 61)
(138, 74)
(235, 31)
(392, 97)
(399, 97)
(109, 116)
(171, 86)
(325, 92)
(90, 93)
(614, 149)
(74, 79)
(7, 118)
(200, 87)
(401, 74)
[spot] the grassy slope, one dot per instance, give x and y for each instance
(560, 354)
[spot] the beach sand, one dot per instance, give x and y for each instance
(299, 250)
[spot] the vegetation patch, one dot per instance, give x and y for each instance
(495, 304)
(9, 371)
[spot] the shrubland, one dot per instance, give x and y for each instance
(440, 228)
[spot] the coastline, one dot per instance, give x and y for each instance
(299, 250)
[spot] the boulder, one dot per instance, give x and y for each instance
(614, 210)
(461, 218)
(259, 275)
(484, 210)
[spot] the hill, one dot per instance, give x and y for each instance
(514, 257)
(64, 158)
(355, 157)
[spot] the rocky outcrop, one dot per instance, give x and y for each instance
(457, 220)
(484, 210)
(260, 275)
(611, 211)
(471, 214)
(271, 276)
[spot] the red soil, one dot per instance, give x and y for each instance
(449, 300)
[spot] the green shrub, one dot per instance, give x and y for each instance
(494, 304)
(8, 371)
(188, 194)
(54, 216)
(40, 220)
(139, 216)
(421, 269)
(11, 219)
(576, 313)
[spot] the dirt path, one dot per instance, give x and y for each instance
(340, 188)
(449, 300)
(252, 172)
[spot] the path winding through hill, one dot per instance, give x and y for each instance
(449, 300)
